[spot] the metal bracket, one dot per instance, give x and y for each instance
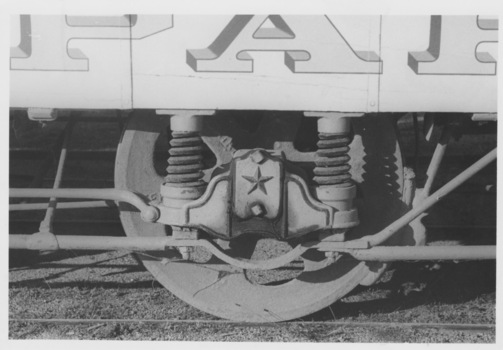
(42, 114)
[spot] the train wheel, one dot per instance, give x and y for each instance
(299, 289)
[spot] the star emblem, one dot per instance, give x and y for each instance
(257, 181)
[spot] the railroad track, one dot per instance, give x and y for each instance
(346, 324)
(278, 332)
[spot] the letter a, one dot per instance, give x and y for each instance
(311, 44)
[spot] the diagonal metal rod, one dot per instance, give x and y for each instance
(436, 160)
(429, 201)
(46, 224)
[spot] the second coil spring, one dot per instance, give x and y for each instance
(332, 160)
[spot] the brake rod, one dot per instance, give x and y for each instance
(42, 241)
(148, 213)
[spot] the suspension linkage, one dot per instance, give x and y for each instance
(380, 237)
(383, 253)
(148, 212)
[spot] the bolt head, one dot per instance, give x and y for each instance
(257, 157)
(150, 214)
(185, 252)
(257, 210)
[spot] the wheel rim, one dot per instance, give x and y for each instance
(228, 292)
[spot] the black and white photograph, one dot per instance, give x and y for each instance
(275, 174)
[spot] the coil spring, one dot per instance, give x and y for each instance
(185, 160)
(332, 160)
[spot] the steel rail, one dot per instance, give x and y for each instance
(352, 324)
(148, 213)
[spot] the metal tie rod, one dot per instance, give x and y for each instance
(62, 205)
(44, 241)
(455, 252)
(388, 253)
(148, 213)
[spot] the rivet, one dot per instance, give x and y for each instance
(257, 157)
